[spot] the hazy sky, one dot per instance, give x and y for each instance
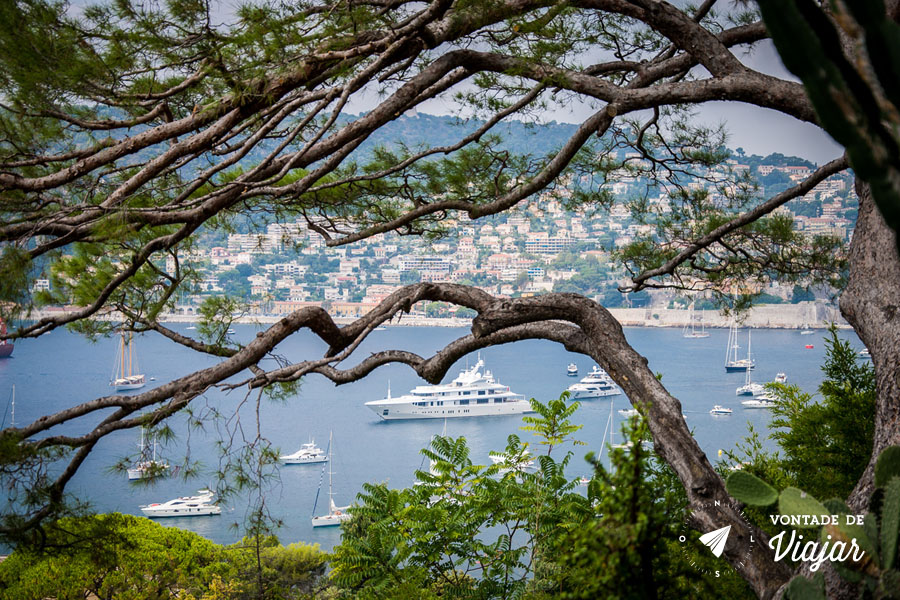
(757, 131)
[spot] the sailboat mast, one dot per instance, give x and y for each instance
(13, 422)
(130, 354)
(122, 358)
(330, 472)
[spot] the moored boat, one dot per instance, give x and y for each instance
(472, 394)
(307, 454)
(572, 370)
(147, 465)
(732, 362)
(124, 373)
(597, 384)
(336, 514)
(186, 506)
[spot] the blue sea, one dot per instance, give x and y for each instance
(64, 369)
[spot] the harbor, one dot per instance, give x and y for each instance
(64, 369)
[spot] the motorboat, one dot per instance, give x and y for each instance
(628, 412)
(763, 401)
(720, 410)
(186, 506)
(572, 370)
(307, 454)
(781, 378)
(596, 385)
(472, 394)
(336, 514)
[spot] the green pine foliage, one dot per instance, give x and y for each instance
(132, 558)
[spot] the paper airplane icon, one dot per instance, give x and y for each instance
(716, 540)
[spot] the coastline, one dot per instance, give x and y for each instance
(814, 315)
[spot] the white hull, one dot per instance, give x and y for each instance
(308, 454)
(330, 520)
(188, 506)
(182, 512)
(695, 336)
(128, 385)
(401, 411)
(144, 470)
(758, 403)
(472, 394)
(599, 393)
(750, 389)
(305, 460)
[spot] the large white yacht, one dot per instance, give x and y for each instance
(186, 506)
(473, 394)
(596, 385)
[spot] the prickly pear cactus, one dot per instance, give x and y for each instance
(750, 489)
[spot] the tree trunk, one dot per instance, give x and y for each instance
(871, 303)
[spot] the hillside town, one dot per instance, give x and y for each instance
(543, 247)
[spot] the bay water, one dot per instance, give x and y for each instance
(63, 369)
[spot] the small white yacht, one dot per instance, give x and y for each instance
(186, 506)
(720, 410)
(572, 370)
(628, 412)
(307, 454)
(596, 385)
(781, 378)
(472, 394)
(763, 401)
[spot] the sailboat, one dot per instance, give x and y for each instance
(732, 362)
(690, 330)
(749, 388)
(124, 376)
(147, 464)
(336, 514)
(11, 404)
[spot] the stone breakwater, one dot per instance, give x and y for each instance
(774, 316)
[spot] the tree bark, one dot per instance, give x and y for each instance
(871, 303)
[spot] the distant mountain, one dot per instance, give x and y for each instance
(421, 129)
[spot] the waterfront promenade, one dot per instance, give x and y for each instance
(815, 315)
